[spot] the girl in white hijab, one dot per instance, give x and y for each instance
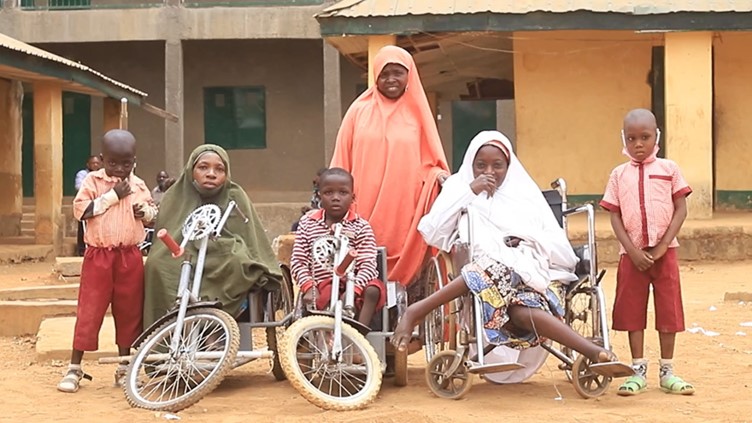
(518, 249)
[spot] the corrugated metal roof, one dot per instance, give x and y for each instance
(15, 45)
(385, 8)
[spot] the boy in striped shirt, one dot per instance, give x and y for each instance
(336, 191)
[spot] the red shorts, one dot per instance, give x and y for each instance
(110, 276)
(633, 289)
(325, 294)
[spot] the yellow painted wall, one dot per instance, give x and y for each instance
(689, 114)
(572, 89)
(733, 110)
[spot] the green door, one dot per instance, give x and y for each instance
(76, 140)
(27, 150)
(469, 118)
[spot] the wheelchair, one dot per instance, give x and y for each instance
(334, 361)
(186, 354)
(145, 245)
(458, 350)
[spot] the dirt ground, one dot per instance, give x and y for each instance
(719, 366)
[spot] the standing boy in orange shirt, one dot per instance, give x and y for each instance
(647, 200)
(114, 204)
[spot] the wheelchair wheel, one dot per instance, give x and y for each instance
(453, 386)
(350, 383)
(587, 383)
(581, 314)
(163, 380)
(438, 327)
(281, 306)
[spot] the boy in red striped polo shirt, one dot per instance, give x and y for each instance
(647, 200)
(336, 191)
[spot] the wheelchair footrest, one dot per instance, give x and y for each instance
(612, 369)
(495, 368)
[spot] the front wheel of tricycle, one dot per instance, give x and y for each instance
(349, 381)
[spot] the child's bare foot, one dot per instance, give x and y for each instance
(606, 356)
(607, 364)
(403, 333)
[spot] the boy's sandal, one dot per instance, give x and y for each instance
(677, 385)
(72, 380)
(634, 385)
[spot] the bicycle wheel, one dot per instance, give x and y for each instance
(164, 380)
(348, 383)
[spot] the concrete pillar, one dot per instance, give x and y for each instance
(332, 100)
(433, 103)
(689, 114)
(375, 43)
(110, 114)
(174, 150)
(11, 140)
(48, 163)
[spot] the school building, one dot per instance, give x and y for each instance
(571, 69)
(270, 80)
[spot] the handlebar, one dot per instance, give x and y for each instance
(173, 246)
(349, 258)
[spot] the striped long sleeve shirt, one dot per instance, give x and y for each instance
(313, 226)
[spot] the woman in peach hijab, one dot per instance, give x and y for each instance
(389, 142)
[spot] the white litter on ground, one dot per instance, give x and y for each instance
(702, 331)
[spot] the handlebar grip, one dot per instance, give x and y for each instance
(173, 246)
(342, 268)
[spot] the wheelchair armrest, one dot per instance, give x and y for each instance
(585, 208)
(583, 265)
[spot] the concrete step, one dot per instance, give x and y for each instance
(23, 317)
(68, 291)
(68, 266)
(28, 225)
(55, 336)
(18, 251)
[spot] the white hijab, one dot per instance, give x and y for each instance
(517, 208)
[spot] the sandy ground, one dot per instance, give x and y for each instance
(719, 366)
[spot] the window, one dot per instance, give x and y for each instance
(235, 117)
(70, 4)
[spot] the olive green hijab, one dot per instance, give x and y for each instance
(240, 259)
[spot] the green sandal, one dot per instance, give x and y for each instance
(634, 385)
(677, 385)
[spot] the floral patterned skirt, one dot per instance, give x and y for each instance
(497, 287)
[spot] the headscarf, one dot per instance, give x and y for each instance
(651, 157)
(241, 258)
(393, 150)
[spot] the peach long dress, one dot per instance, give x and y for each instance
(393, 150)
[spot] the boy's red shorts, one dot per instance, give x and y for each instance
(633, 288)
(325, 294)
